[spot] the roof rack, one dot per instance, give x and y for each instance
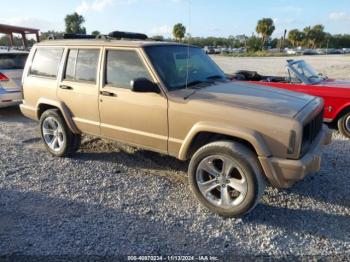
(71, 36)
(113, 35)
(78, 36)
(127, 35)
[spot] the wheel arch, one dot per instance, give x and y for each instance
(342, 111)
(204, 133)
(46, 104)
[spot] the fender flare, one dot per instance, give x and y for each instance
(67, 115)
(251, 136)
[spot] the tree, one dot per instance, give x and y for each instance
(265, 28)
(74, 24)
(314, 35)
(296, 37)
(47, 34)
(179, 31)
(242, 39)
(318, 35)
(95, 33)
(253, 44)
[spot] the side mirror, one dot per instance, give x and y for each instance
(144, 85)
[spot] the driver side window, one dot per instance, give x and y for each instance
(122, 67)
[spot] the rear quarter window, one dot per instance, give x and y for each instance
(46, 62)
(12, 61)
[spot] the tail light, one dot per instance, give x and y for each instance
(3, 77)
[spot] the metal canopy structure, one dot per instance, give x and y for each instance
(23, 31)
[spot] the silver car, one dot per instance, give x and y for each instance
(11, 68)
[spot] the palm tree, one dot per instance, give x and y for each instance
(265, 28)
(179, 31)
(296, 37)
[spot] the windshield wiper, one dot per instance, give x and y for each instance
(197, 84)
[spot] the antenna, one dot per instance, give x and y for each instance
(188, 41)
(326, 59)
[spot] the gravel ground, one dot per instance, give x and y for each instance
(111, 199)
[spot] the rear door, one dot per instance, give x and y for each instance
(78, 87)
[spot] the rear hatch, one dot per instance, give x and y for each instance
(11, 70)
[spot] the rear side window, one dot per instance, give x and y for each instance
(12, 61)
(82, 65)
(124, 66)
(46, 62)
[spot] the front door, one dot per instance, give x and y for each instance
(78, 87)
(127, 116)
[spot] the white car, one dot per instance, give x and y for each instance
(291, 51)
(11, 68)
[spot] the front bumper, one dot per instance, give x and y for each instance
(10, 98)
(283, 173)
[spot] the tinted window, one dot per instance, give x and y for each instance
(124, 66)
(70, 68)
(12, 61)
(46, 62)
(181, 66)
(86, 66)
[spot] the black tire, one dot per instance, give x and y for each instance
(248, 164)
(344, 125)
(77, 143)
(69, 141)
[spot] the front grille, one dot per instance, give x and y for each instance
(311, 131)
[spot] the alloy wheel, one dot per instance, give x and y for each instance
(53, 134)
(221, 181)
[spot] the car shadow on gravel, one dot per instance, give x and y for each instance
(34, 223)
(114, 152)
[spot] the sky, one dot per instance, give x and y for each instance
(201, 17)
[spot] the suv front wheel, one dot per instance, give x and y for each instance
(57, 137)
(227, 178)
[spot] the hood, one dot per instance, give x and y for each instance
(335, 83)
(254, 97)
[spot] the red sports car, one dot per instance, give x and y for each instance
(303, 78)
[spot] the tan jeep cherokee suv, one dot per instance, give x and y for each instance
(174, 99)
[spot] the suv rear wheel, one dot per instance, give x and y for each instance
(227, 178)
(57, 137)
(344, 125)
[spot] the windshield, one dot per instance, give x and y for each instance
(12, 61)
(306, 72)
(171, 64)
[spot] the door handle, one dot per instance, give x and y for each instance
(106, 93)
(66, 87)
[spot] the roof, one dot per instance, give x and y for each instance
(7, 29)
(98, 42)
